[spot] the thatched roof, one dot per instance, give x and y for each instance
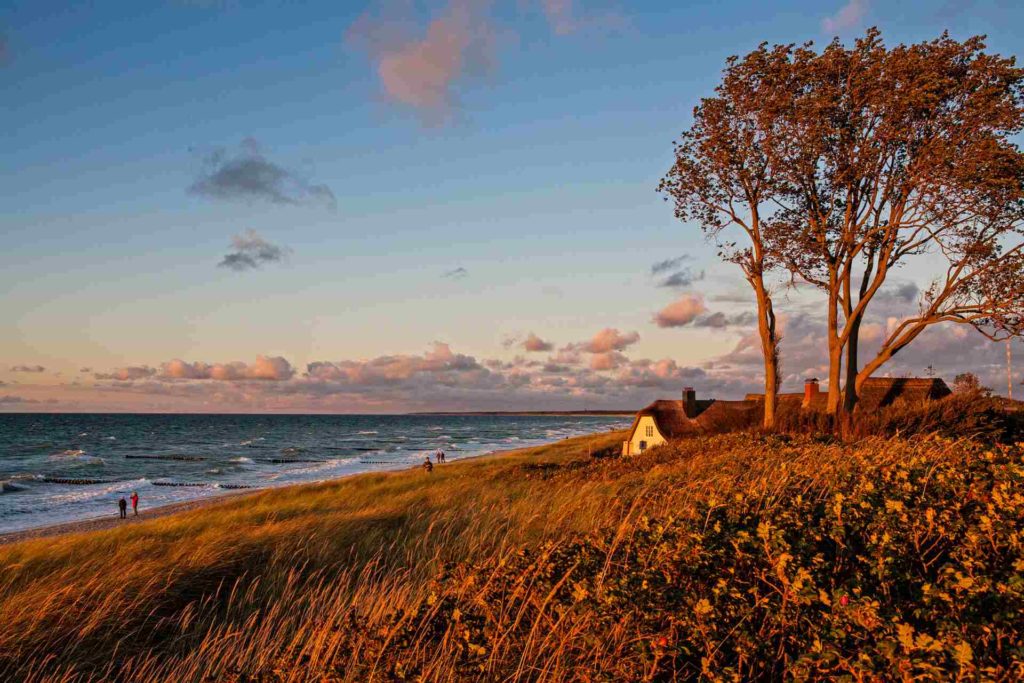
(878, 392)
(709, 416)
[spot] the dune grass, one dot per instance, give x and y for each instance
(729, 557)
(85, 598)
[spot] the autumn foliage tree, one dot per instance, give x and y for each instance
(877, 158)
(723, 179)
(897, 156)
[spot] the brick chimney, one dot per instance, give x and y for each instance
(810, 391)
(690, 402)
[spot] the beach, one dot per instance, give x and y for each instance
(66, 469)
(114, 521)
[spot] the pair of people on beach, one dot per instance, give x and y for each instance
(122, 505)
(440, 456)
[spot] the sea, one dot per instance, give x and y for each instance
(57, 468)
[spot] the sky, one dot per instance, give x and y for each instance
(366, 207)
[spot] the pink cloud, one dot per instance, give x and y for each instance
(272, 368)
(848, 16)
(609, 339)
(681, 312)
(421, 69)
(608, 360)
(534, 344)
(127, 374)
(439, 361)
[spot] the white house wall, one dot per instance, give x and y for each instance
(646, 435)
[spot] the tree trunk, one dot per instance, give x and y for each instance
(1009, 369)
(835, 372)
(850, 394)
(771, 382)
(770, 352)
(835, 353)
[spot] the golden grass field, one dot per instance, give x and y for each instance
(730, 557)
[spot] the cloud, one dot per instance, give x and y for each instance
(608, 360)
(681, 312)
(847, 17)
(681, 278)
(609, 339)
(127, 374)
(271, 368)
(17, 400)
(905, 292)
(422, 68)
(251, 251)
(455, 273)
(721, 320)
(535, 344)
(85, 370)
(440, 364)
(668, 264)
(28, 368)
(563, 18)
(247, 175)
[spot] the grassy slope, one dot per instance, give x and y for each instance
(733, 555)
(82, 595)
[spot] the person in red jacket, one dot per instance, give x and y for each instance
(135, 503)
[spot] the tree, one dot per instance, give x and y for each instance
(967, 383)
(884, 156)
(723, 179)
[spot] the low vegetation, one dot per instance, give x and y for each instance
(730, 557)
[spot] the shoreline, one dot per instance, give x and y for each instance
(114, 521)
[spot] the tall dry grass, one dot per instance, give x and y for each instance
(737, 556)
(94, 603)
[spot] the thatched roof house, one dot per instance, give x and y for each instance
(664, 420)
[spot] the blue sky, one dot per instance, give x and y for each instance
(533, 169)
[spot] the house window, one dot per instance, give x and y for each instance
(643, 446)
(650, 430)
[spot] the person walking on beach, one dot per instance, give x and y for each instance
(441, 457)
(122, 505)
(135, 503)
(428, 466)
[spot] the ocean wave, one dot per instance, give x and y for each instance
(95, 492)
(369, 431)
(241, 460)
(69, 453)
(7, 486)
(76, 456)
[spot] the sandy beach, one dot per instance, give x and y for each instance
(114, 520)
